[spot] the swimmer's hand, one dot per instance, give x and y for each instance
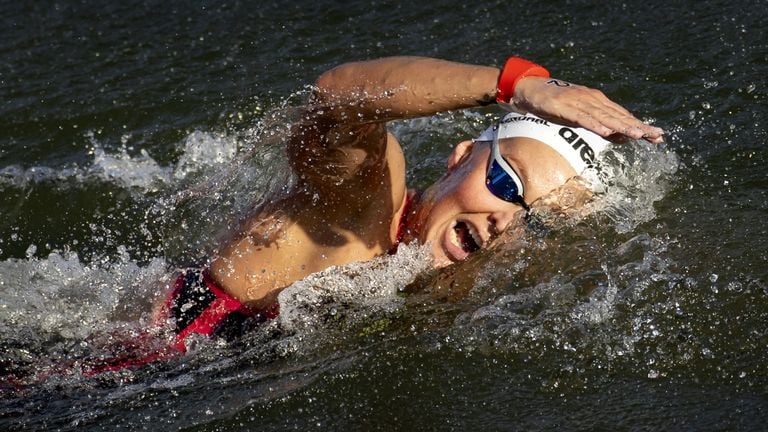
(576, 105)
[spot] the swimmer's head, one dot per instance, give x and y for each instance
(492, 181)
(579, 147)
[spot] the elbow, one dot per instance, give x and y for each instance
(341, 80)
(326, 81)
(330, 81)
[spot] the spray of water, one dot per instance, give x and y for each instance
(559, 288)
(531, 289)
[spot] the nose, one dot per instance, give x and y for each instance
(500, 220)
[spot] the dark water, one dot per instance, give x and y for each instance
(132, 133)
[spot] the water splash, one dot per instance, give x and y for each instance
(530, 300)
(140, 172)
(562, 287)
(351, 293)
(637, 175)
(51, 307)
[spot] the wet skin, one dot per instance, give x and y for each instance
(459, 215)
(456, 216)
(351, 190)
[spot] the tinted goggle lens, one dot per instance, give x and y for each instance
(502, 184)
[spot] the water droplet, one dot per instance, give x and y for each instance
(713, 277)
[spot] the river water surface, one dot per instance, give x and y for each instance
(132, 134)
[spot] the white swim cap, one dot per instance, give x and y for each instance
(578, 146)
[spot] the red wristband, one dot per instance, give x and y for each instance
(514, 70)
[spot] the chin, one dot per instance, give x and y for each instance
(439, 258)
(438, 263)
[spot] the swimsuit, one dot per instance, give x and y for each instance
(197, 305)
(401, 225)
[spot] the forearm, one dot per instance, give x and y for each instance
(403, 87)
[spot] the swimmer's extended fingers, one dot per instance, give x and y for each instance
(591, 109)
(618, 119)
(612, 125)
(581, 106)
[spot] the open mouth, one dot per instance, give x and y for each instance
(466, 238)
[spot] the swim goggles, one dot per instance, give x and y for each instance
(502, 180)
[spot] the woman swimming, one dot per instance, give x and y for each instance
(351, 202)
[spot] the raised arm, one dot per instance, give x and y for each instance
(402, 87)
(341, 144)
(342, 132)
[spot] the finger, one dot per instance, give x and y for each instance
(609, 109)
(657, 140)
(590, 109)
(625, 124)
(651, 133)
(621, 129)
(586, 119)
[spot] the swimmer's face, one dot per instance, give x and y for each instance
(458, 215)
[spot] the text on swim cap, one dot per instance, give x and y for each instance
(585, 151)
(534, 120)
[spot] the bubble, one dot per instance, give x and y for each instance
(351, 293)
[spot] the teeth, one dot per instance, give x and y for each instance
(454, 235)
(475, 236)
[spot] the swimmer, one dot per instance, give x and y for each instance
(351, 202)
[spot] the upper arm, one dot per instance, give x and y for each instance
(339, 159)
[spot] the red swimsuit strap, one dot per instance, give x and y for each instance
(401, 226)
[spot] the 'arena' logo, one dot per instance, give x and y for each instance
(585, 151)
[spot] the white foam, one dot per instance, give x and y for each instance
(353, 291)
(636, 174)
(125, 168)
(140, 171)
(203, 150)
(61, 295)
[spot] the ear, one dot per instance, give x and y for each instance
(459, 153)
